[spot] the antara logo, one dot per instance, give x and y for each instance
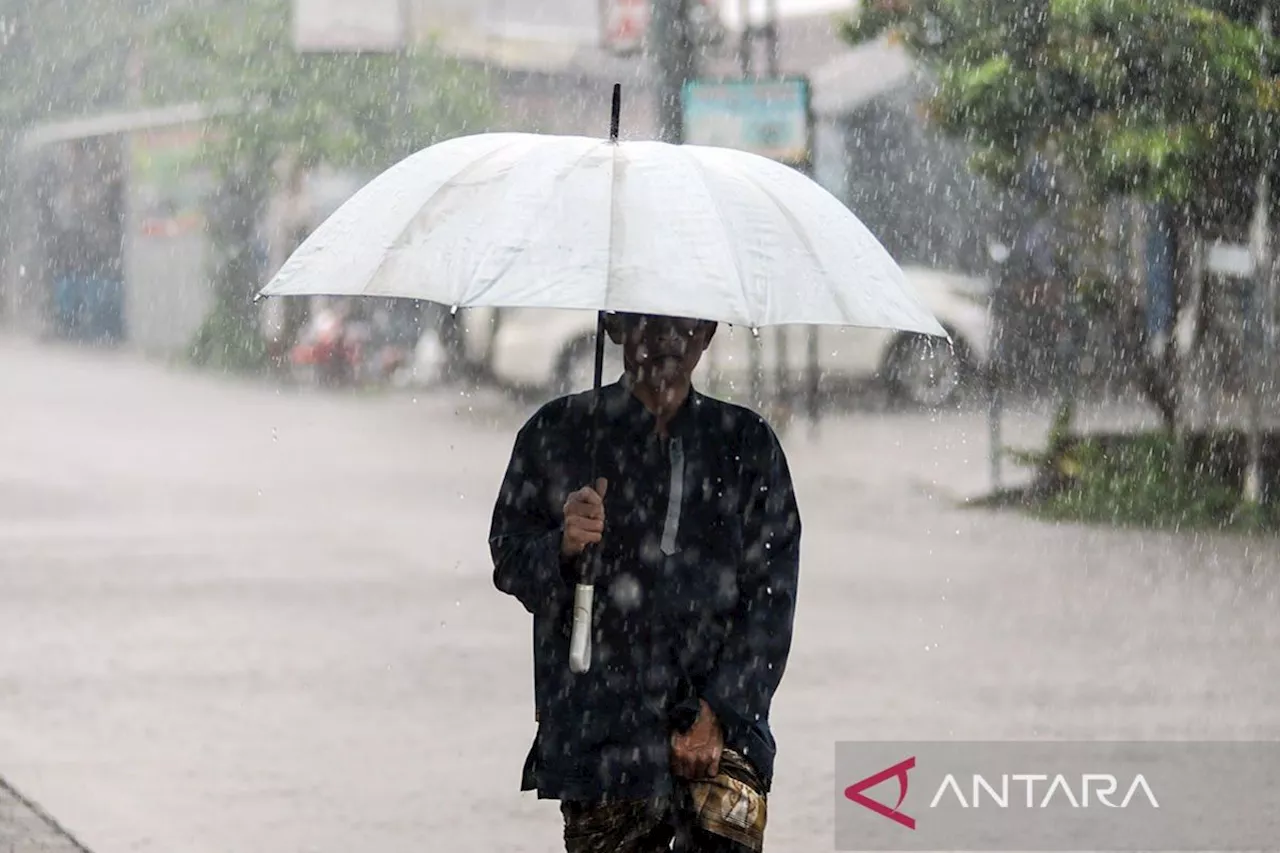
(1094, 789)
(1102, 785)
(899, 770)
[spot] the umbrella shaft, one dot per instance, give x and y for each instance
(589, 555)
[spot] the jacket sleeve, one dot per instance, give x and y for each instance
(524, 535)
(741, 687)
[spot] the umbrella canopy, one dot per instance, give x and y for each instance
(520, 220)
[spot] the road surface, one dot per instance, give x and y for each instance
(236, 618)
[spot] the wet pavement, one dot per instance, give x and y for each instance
(234, 617)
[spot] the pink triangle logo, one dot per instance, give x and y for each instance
(899, 771)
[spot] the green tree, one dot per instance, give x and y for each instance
(1170, 101)
(59, 59)
(360, 111)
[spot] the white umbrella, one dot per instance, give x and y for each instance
(519, 220)
(522, 220)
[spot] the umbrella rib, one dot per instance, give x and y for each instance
(399, 241)
(515, 256)
(613, 224)
(724, 225)
(800, 235)
(837, 294)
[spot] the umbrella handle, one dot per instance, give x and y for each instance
(584, 590)
(580, 640)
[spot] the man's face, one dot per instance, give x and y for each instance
(660, 351)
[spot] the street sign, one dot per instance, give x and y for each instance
(766, 117)
(1231, 259)
(624, 23)
(349, 26)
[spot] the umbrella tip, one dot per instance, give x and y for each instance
(755, 331)
(615, 120)
(453, 311)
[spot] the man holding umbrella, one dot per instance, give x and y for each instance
(653, 698)
(693, 534)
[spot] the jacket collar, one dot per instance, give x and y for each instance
(624, 411)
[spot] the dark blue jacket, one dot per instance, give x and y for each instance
(695, 596)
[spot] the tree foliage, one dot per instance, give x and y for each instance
(62, 58)
(1168, 100)
(362, 111)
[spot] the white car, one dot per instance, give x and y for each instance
(555, 350)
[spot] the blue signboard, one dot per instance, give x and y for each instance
(766, 117)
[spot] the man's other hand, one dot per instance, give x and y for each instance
(583, 518)
(695, 754)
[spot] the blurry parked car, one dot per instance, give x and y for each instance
(555, 349)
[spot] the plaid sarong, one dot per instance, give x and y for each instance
(724, 814)
(731, 805)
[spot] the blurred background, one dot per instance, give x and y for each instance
(242, 560)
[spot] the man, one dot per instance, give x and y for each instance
(692, 527)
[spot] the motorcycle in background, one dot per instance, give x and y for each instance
(350, 343)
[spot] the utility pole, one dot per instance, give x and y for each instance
(782, 392)
(771, 36)
(404, 72)
(745, 47)
(674, 54)
(1263, 304)
(746, 56)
